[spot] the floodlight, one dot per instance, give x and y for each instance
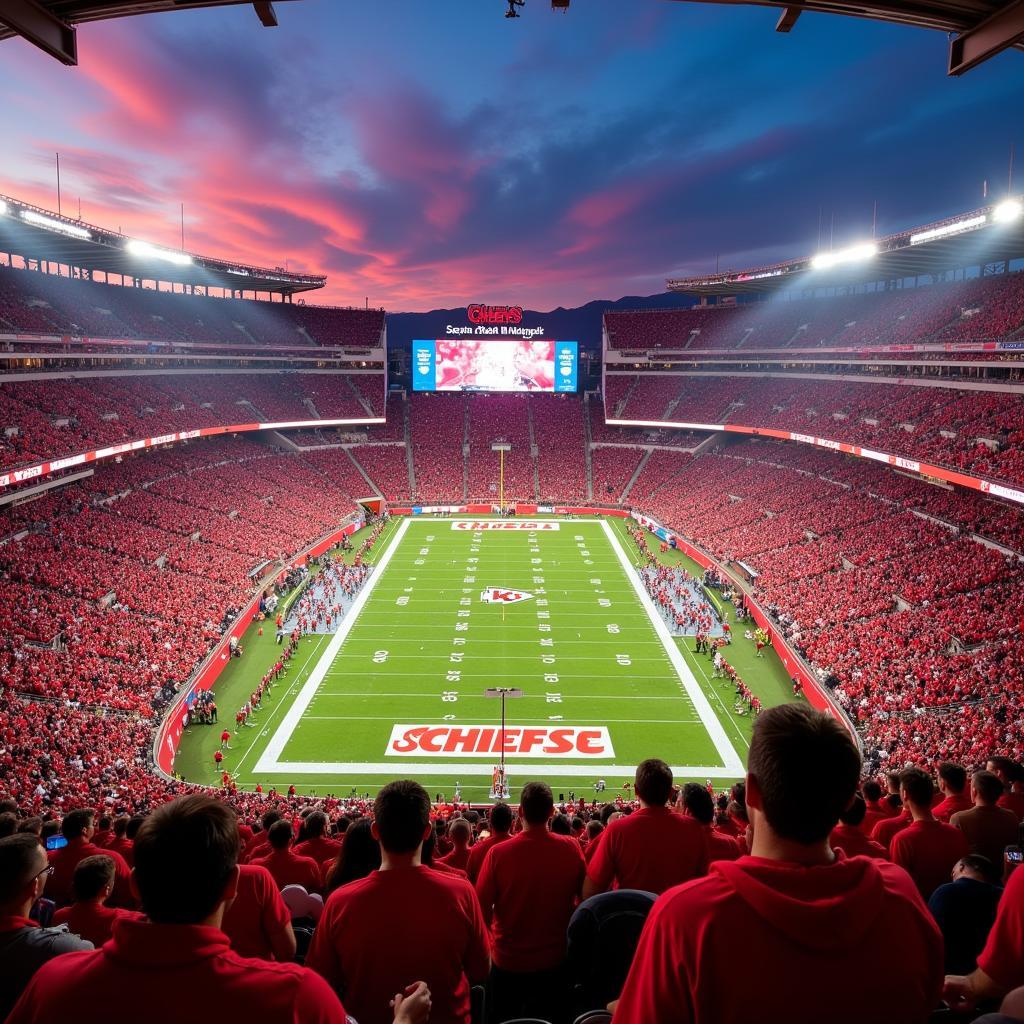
(967, 224)
(55, 225)
(1007, 211)
(153, 252)
(863, 251)
(3, 207)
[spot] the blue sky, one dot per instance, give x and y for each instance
(426, 155)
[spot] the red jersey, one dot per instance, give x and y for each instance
(458, 858)
(885, 830)
(64, 862)
(257, 914)
(945, 809)
(928, 850)
(177, 973)
(395, 927)
(93, 921)
(528, 889)
(809, 930)
(320, 849)
(1015, 802)
(852, 841)
(722, 846)
(289, 869)
(652, 849)
(478, 852)
(1001, 959)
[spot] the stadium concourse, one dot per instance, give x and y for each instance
(120, 573)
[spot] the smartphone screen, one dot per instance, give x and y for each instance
(56, 843)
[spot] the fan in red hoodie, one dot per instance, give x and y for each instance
(809, 918)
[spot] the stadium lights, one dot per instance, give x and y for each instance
(1007, 211)
(55, 225)
(147, 251)
(825, 260)
(3, 207)
(967, 224)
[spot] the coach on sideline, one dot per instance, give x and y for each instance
(176, 964)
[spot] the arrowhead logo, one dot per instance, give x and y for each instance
(496, 595)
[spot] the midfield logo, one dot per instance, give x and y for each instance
(495, 595)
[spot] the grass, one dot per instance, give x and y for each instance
(423, 648)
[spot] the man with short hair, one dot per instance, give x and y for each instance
(1011, 775)
(927, 849)
(953, 786)
(317, 844)
(402, 922)
(964, 909)
(501, 820)
(528, 888)
(24, 946)
(653, 848)
(77, 827)
(695, 802)
(849, 836)
(92, 884)
(460, 832)
(286, 867)
(809, 918)
(258, 922)
(176, 962)
(988, 827)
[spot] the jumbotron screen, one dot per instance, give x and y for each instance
(485, 364)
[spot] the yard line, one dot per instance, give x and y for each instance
(546, 721)
(674, 697)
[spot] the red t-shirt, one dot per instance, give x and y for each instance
(652, 849)
(320, 849)
(170, 974)
(722, 846)
(93, 921)
(288, 869)
(479, 851)
(528, 889)
(886, 829)
(854, 843)
(807, 930)
(928, 850)
(1001, 958)
(1015, 801)
(257, 914)
(64, 862)
(383, 932)
(945, 810)
(458, 858)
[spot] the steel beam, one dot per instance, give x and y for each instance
(998, 32)
(267, 14)
(33, 22)
(787, 19)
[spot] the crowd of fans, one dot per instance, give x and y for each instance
(808, 872)
(979, 309)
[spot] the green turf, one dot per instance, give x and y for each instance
(403, 663)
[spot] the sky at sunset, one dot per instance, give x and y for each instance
(433, 154)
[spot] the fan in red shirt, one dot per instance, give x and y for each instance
(849, 837)
(927, 849)
(259, 845)
(77, 827)
(501, 820)
(885, 830)
(175, 962)
(258, 922)
(402, 923)
(1001, 963)
(1011, 775)
(696, 802)
(315, 843)
(953, 786)
(91, 884)
(284, 865)
(810, 919)
(653, 848)
(460, 832)
(528, 889)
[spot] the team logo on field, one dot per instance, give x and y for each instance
(564, 741)
(495, 595)
(472, 525)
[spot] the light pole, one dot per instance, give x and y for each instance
(504, 692)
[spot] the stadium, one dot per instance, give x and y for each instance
(488, 664)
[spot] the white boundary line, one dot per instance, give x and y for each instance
(270, 761)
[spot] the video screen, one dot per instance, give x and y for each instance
(485, 364)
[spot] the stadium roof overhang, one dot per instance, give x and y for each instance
(977, 238)
(37, 234)
(50, 24)
(979, 28)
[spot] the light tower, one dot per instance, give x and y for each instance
(500, 785)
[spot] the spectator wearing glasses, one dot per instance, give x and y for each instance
(24, 946)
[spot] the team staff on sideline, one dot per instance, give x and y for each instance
(176, 964)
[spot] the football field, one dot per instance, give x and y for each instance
(454, 607)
